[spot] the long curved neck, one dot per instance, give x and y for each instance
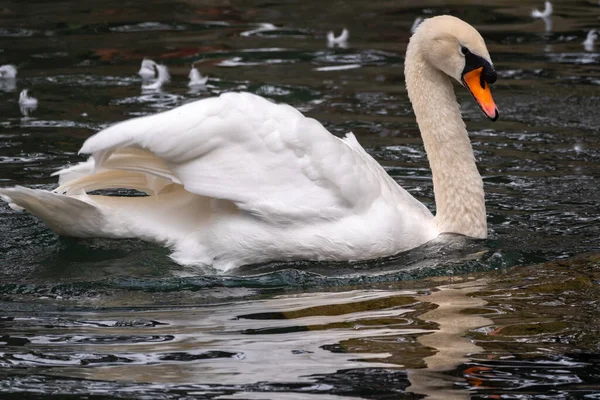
(457, 185)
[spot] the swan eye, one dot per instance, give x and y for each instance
(464, 50)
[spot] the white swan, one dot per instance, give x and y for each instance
(27, 103)
(196, 79)
(588, 43)
(162, 77)
(8, 71)
(236, 179)
(535, 13)
(341, 41)
(147, 69)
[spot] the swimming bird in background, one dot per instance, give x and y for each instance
(543, 14)
(238, 179)
(162, 77)
(416, 24)
(196, 79)
(27, 103)
(591, 37)
(341, 41)
(147, 70)
(8, 71)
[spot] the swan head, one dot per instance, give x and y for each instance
(457, 49)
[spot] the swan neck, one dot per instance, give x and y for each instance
(457, 184)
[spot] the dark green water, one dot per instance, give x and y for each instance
(105, 319)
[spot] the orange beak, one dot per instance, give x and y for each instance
(481, 92)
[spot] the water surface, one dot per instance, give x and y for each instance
(103, 318)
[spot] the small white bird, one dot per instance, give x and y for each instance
(341, 41)
(543, 14)
(162, 77)
(591, 37)
(416, 24)
(196, 79)
(8, 71)
(147, 70)
(27, 103)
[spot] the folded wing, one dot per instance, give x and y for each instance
(268, 159)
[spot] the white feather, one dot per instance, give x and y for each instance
(147, 70)
(341, 41)
(196, 79)
(162, 77)
(8, 71)
(591, 37)
(543, 14)
(236, 180)
(27, 101)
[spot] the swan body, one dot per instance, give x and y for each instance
(591, 37)
(196, 79)
(237, 179)
(147, 70)
(341, 41)
(162, 77)
(27, 101)
(8, 71)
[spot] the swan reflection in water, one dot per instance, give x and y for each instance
(303, 338)
(449, 342)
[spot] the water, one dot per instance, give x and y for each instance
(456, 318)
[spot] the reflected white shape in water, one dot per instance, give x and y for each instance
(340, 41)
(8, 85)
(544, 15)
(591, 37)
(452, 347)
(416, 24)
(236, 62)
(338, 67)
(27, 103)
(288, 349)
(196, 79)
(262, 27)
(147, 70)
(8, 71)
(162, 77)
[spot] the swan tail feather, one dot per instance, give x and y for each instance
(65, 215)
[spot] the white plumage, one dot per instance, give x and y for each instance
(237, 179)
(543, 14)
(8, 71)
(341, 41)
(147, 69)
(591, 37)
(196, 79)
(27, 101)
(162, 77)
